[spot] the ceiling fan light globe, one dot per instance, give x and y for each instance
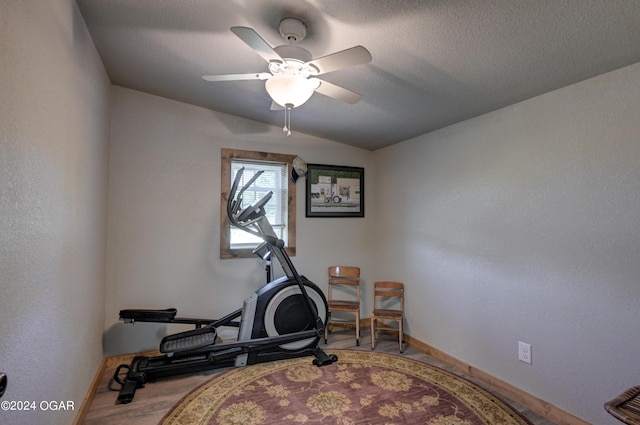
(290, 89)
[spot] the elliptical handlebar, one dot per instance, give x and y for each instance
(252, 214)
(233, 204)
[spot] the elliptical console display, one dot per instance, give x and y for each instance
(283, 319)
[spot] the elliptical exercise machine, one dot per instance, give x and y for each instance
(283, 319)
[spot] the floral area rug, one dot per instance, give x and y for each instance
(362, 387)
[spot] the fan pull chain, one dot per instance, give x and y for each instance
(285, 129)
(287, 119)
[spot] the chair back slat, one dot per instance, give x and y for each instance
(344, 271)
(340, 281)
(388, 293)
(388, 289)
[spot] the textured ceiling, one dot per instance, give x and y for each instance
(434, 63)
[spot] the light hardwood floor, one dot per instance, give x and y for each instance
(153, 401)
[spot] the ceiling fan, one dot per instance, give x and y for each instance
(292, 77)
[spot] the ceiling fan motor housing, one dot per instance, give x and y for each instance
(293, 30)
(287, 51)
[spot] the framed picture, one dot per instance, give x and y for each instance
(334, 191)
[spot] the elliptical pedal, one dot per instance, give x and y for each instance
(189, 340)
(141, 315)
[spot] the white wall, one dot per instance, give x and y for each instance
(524, 225)
(54, 131)
(164, 209)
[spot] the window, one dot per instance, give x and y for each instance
(274, 179)
(235, 243)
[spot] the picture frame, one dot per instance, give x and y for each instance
(334, 191)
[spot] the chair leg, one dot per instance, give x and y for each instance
(373, 332)
(358, 329)
(400, 334)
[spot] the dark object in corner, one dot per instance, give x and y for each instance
(3, 383)
(626, 407)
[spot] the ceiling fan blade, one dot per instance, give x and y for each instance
(236, 77)
(257, 43)
(350, 57)
(340, 93)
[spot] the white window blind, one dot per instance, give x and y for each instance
(273, 179)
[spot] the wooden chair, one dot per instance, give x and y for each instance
(626, 407)
(387, 294)
(342, 281)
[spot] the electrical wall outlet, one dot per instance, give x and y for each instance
(524, 352)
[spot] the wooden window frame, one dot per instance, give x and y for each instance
(227, 155)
